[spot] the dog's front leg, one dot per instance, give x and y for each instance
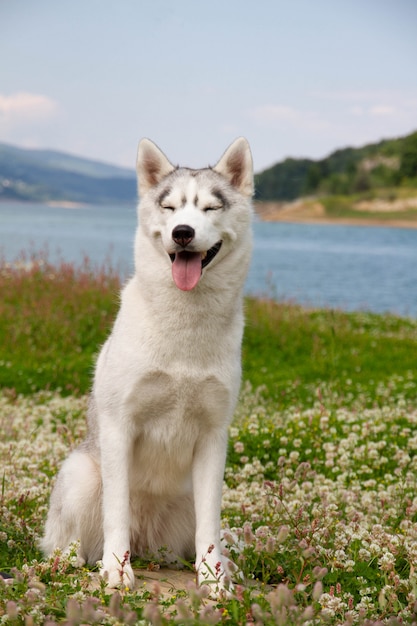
(208, 471)
(116, 450)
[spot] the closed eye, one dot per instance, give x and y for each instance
(212, 208)
(168, 208)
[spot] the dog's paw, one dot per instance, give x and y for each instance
(118, 575)
(78, 561)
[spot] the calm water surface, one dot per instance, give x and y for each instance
(347, 267)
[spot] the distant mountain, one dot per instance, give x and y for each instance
(389, 163)
(45, 175)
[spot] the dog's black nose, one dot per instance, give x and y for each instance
(183, 235)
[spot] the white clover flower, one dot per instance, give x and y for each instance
(386, 561)
(332, 604)
(364, 555)
(340, 555)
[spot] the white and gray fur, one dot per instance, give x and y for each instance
(149, 474)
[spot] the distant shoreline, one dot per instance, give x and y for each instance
(296, 212)
(299, 212)
(65, 204)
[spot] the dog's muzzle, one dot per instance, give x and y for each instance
(188, 265)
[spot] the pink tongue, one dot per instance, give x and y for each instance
(186, 270)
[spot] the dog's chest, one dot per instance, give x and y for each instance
(178, 400)
(171, 415)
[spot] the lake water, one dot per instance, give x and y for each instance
(346, 267)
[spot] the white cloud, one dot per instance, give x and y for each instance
(29, 119)
(26, 106)
(268, 113)
(382, 109)
(357, 110)
(377, 110)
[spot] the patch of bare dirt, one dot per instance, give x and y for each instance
(170, 581)
(298, 210)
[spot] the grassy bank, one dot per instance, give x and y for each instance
(293, 351)
(319, 501)
(383, 207)
(53, 321)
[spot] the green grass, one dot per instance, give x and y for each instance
(342, 206)
(291, 351)
(319, 503)
(53, 321)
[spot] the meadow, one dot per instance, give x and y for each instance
(319, 502)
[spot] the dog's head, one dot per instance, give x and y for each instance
(195, 217)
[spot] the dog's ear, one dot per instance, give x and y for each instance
(151, 165)
(236, 165)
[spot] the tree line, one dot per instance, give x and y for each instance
(389, 163)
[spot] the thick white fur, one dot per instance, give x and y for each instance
(149, 475)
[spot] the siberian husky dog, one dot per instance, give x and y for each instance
(148, 478)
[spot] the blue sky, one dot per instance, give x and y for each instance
(297, 78)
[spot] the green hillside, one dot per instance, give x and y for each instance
(389, 163)
(43, 175)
